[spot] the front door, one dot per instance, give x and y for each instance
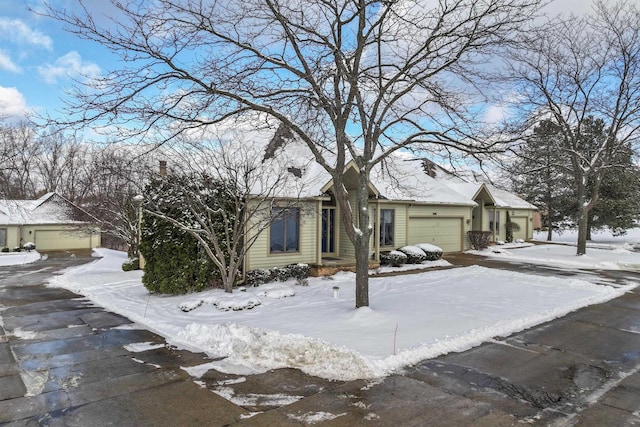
(328, 230)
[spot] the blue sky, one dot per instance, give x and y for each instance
(39, 60)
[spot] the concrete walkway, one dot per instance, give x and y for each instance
(64, 361)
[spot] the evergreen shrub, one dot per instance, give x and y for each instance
(175, 263)
(414, 254)
(131, 264)
(432, 252)
(393, 258)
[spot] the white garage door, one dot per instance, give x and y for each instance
(52, 240)
(443, 232)
(522, 224)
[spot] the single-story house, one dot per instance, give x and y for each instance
(411, 201)
(51, 222)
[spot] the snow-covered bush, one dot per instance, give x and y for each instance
(479, 239)
(5, 249)
(393, 258)
(259, 276)
(414, 254)
(29, 246)
(298, 271)
(131, 264)
(432, 252)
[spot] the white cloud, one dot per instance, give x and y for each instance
(7, 64)
(12, 103)
(19, 32)
(68, 65)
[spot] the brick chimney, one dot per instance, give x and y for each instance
(163, 168)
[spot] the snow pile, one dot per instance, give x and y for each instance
(18, 258)
(411, 318)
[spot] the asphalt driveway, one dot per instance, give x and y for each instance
(65, 361)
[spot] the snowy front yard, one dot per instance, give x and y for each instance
(412, 317)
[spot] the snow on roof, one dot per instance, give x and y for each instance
(403, 178)
(50, 208)
(286, 161)
(507, 199)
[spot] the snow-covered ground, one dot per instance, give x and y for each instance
(599, 239)
(604, 251)
(17, 258)
(315, 328)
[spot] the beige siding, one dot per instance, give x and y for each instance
(260, 257)
(345, 247)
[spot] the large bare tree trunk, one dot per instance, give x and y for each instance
(582, 231)
(362, 242)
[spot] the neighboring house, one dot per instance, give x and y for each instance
(51, 222)
(411, 201)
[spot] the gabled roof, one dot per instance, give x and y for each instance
(51, 208)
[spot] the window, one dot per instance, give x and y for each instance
(3, 237)
(496, 219)
(386, 227)
(285, 230)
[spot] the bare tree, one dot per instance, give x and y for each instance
(18, 148)
(353, 79)
(571, 70)
(116, 174)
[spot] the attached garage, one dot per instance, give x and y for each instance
(52, 222)
(521, 230)
(443, 232)
(54, 240)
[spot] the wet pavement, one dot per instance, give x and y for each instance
(65, 361)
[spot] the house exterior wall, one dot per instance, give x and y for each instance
(13, 236)
(259, 256)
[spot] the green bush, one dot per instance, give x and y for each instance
(414, 254)
(432, 252)
(5, 249)
(175, 262)
(393, 258)
(259, 276)
(131, 264)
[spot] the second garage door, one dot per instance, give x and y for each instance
(443, 232)
(522, 225)
(52, 240)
